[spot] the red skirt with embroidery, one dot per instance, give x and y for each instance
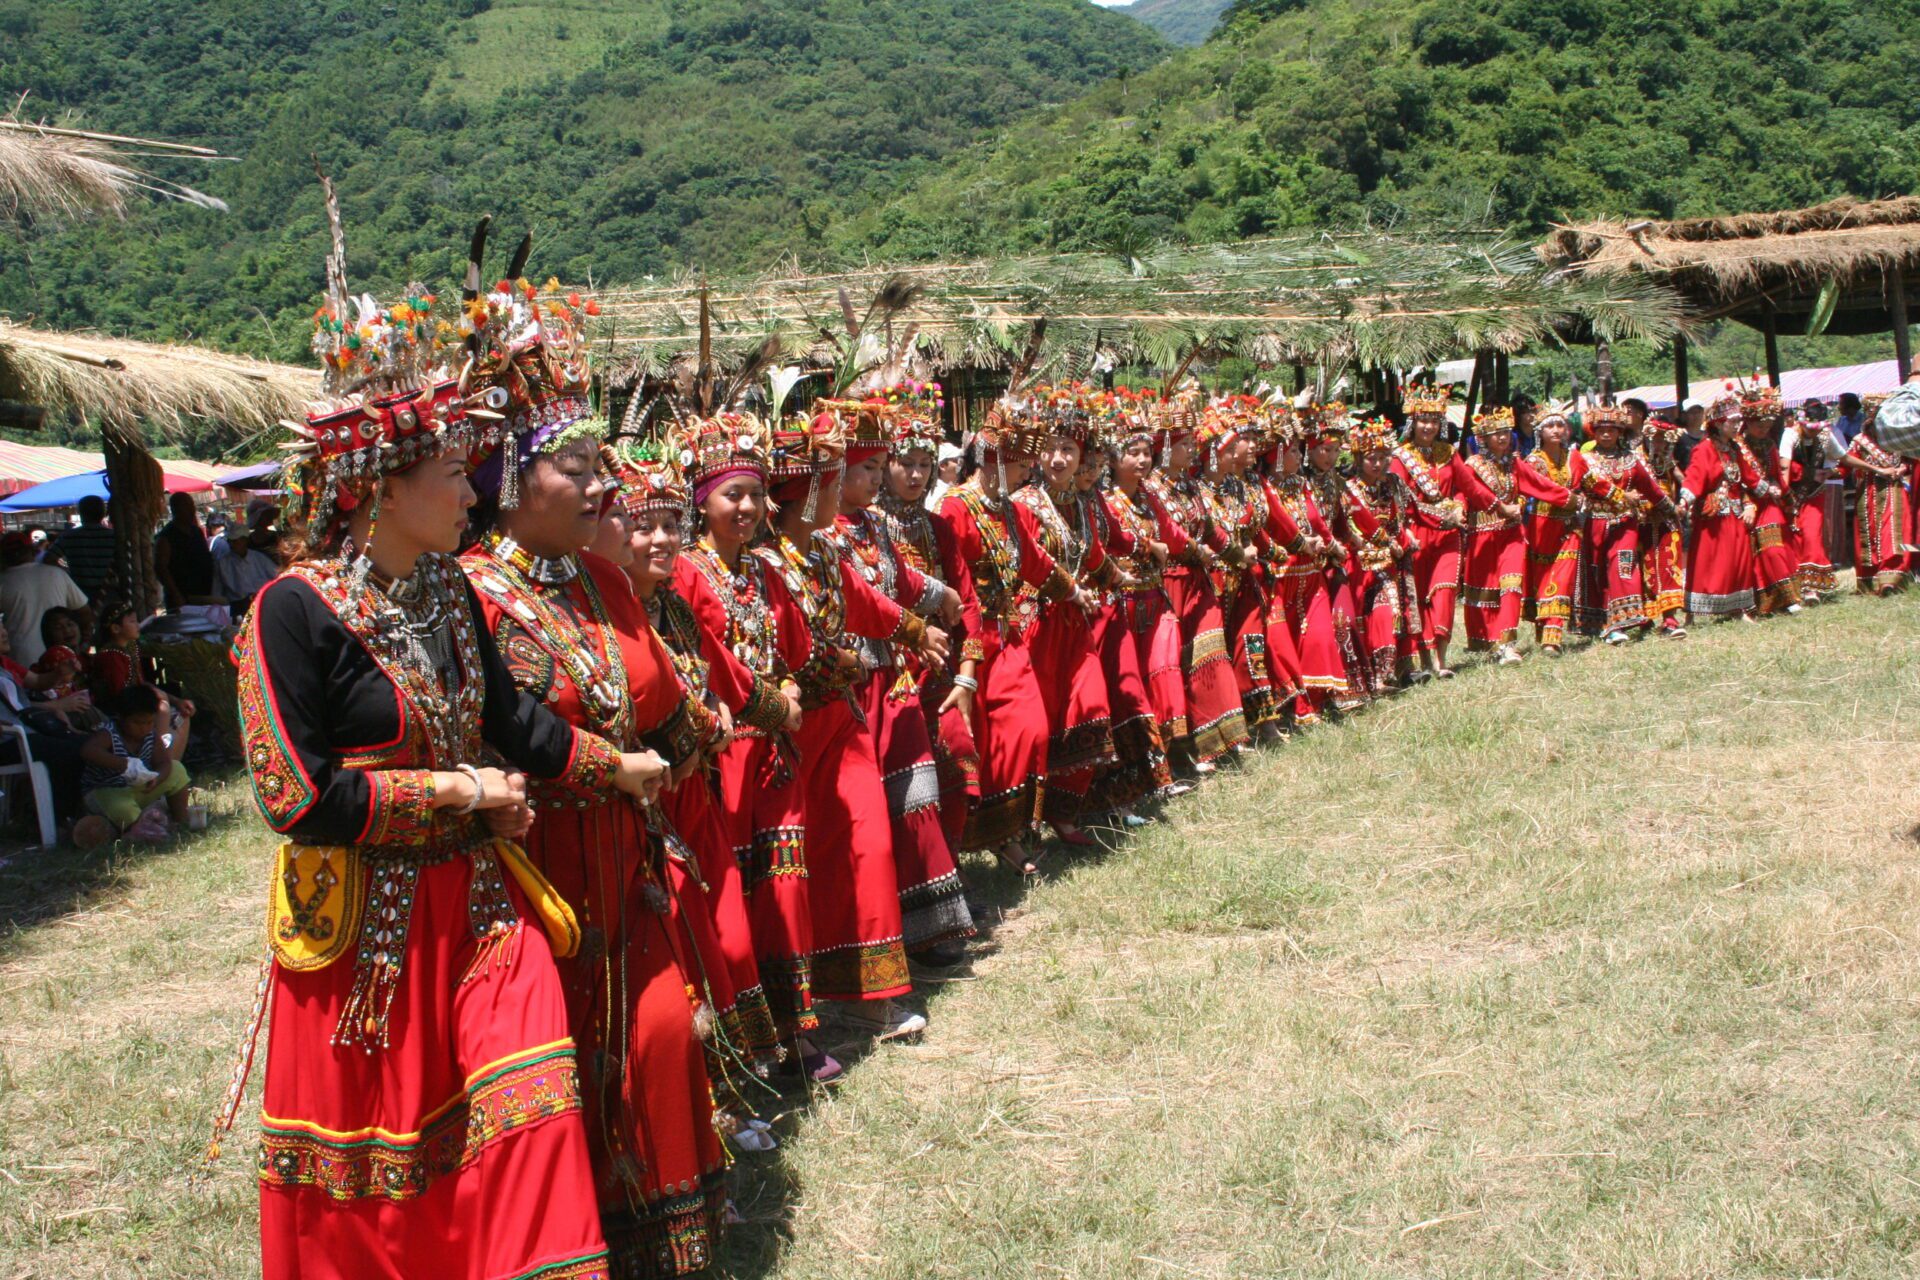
(1809, 542)
(1880, 537)
(729, 969)
(933, 904)
(1720, 570)
(1496, 573)
(658, 1166)
(1010, 732)
(1612, 593)
(1265, 684)
(1304, 607)
(1666, 576)
(763, 818)
(1073, 692)
(457, 1150)
(1140, 765)
(955, 756)
(858, 949)
(1216, 723)
(1553, 572)
(1776, 560)
(1438, 564)
(1149, 619)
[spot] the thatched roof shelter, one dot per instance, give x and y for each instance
(1842, 264)
(137, 386)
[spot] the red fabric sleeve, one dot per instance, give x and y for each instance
(1532, 484)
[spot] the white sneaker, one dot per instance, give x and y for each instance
(1509, 656)
(883, 1019)
(1793, 609)
(1615, 637)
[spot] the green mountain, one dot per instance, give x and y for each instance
(633, 136)
(1309, 112)
(1186, 22)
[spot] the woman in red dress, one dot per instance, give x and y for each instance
(1553, 535)
(1303, 593)
(1265, 664)
(1381, 507)
(422, 1110)
(1810, 450)
(653, 501)
(859, 949)
(1776, 567)
(575, 637)
(1881, 561)
(1326, 443)
(1496, 569)
(1610, 601)
(743, 607)
(1665, 561)
(1145, 612)
(1066, 664)
(921, 539)
(1436, 475)
(1717, 489)
(934, 917)
(996, 548)
(1216, 722)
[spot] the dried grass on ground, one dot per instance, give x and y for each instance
(1602, 967)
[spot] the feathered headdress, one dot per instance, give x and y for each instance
(1373, 435)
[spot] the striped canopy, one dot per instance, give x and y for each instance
(24, 465)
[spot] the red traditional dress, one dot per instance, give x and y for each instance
(1881, 556)
(1268, 676)
(1620, 491)
(1664, 561)
(1496, 562)
(746, 609)
(1146, 613)
(919, 537)
(933, 904)
(1811, 453)
(1303, 597)
(1720, 570)
(1553, 549)
(422, 1106)
(1216, 722)
(1385, 593)
(859, 948)
(1140, 768)
(996, 548)
(1066, 666)
(1775, 564)
(574, 636)
(708, 671)
(1436, 477)
(1329, 490)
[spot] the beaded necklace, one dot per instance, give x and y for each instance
(1056, 537)
(673, 622)
(586, 647)
(753, 633)
(996, 575)
(1137, 518)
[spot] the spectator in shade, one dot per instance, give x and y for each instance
(28, 589)
(181, 558)
(117, 663)
(249, 557)
(63, 657)
(87, 548)
(946, 474)
(133, 761)
(53, 741)
(1851, 419)
(1524, 412)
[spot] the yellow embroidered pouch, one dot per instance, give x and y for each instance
(556, 917)
(314, 910)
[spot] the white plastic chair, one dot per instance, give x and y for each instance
(36, 776)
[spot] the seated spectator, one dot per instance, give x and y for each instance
(250, 558)
(1851, 418)
(131, 762)
(117, 662)
(181, 558)
(53, 741)
(62, 661)
(87, 549)
(28, 589)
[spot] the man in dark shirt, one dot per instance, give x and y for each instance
(181, 558)
(87, 549)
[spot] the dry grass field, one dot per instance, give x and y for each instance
(1597, 967)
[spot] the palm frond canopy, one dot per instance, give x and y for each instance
(1363, 299)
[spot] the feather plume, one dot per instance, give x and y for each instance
(1024, 367)
(476, 250)
(517, 268)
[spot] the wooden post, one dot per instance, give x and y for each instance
(1771, 330)
(1500, 374)
(136, 503)
(1902, 335)
(1680, 388)
(1299, 377)
(1603, 367)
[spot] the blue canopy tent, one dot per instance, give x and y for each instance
(68, 490)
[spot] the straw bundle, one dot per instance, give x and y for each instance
(48, 172)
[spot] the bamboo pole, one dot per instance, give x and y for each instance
(1902, 334)
(1770, 329)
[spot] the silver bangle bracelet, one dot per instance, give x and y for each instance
(479, 787)
(968, 683)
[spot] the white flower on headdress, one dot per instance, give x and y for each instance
(686, 457)
(744, 443)
(780, 382)
(657, 480)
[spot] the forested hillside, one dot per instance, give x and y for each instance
(632, 135)
(1307, 112)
